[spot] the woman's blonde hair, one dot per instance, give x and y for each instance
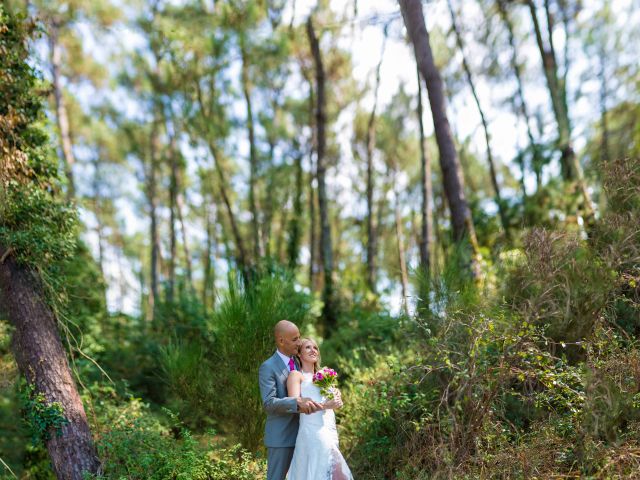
(316, 366)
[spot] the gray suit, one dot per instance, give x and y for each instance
(281, 428)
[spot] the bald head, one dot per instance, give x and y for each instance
(283, 327)
(287, 337)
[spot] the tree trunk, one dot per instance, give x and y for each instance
(402, 263)
(97, 211)
(253, 156)
(551, 75)
(267, 204)
(177, 200)
(492, 167)
(536, 160)
(313, 237)
(604, 92)
(153, 215)
(372, 234)
(329, 312)
(173, 240)
(62, 117)
(571, 168)
(313, 227)
(208, 290)
(241, 256)
(426, 186)
(42, 360)
(280, 238)
(453, 182)
(295, 226)
(185, 238)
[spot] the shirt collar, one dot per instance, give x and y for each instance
(284, 358)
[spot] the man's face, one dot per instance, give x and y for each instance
(290, 342)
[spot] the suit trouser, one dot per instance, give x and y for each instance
(278, 462)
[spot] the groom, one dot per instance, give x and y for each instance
(283, 412)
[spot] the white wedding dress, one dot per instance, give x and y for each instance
(316, 456)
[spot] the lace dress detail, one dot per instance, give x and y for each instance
(317, 456)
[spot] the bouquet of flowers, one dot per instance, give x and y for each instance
(327, 379)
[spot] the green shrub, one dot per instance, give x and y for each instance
(133, 451)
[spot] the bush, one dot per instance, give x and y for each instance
(134, 452)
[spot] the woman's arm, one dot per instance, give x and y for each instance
(294, 380)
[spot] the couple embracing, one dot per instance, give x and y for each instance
(300, 433)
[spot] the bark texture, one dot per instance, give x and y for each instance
(426, 188)
(42, 360)
(453, 182)
(483, 119)
(326, 249)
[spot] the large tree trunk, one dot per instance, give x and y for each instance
(453, 182)
(42, 360)
(372, 234)
(426, 187)
(329, 312)
(62, 117)
(253, 155)
(485, 127)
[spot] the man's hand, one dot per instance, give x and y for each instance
(306, 405)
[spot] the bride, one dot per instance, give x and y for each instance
(316, 455)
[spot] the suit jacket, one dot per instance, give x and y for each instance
(281, 428)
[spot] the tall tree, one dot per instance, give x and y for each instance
(62, 117)
(372, 234)
(329, 311)
(536, 160)
(258, 250)
(426, 210)
(151, 191)
(483, 119)
(28, 185)
(453, 182)
(59, 19)
(556, 84)
(295, 225)
(397, 213)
